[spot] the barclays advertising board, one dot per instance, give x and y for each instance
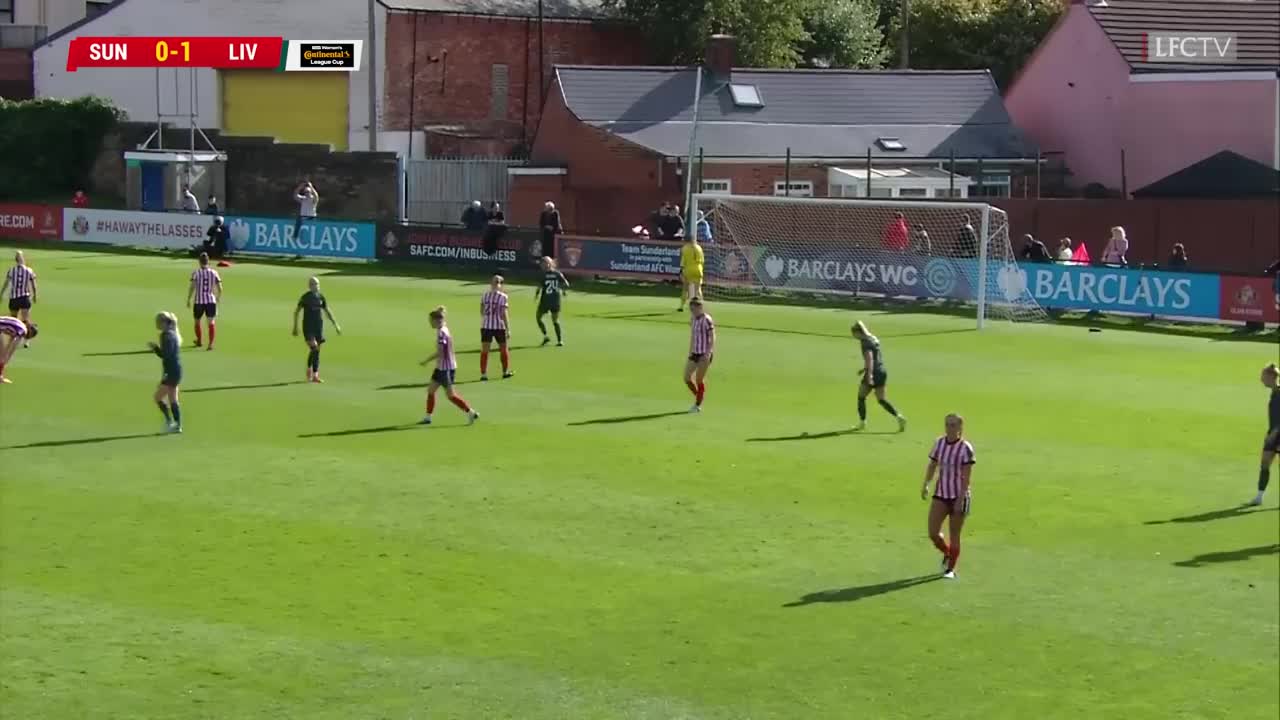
(871, 272)
(316, 237)
(1144, 292)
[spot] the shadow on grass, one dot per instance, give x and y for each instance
(821, 435)
(1230, 556)
(1238, 511)
(862, 592)
(513, 348)
(626, 419)
(81, 441)
(245, 387)
(370, 431)
(118, 354)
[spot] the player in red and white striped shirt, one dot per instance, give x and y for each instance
(702, 349)
(20, 281)
(952, 460)
(495, 324)
(446, 368)
(12, 333)
(206, 289)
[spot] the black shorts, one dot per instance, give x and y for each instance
(962, 505)
(20, 303)
(443, 378)
(697, 358)
(878, 379)
(1272, 441)
(316, 335)
(209, 310)
(171, 379)
(493, 335)
(549, 304)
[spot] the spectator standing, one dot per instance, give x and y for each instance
(474, 217)
(308, 199)
(703, 229)
(211, 207)
(549, 222)
(897, 236)
(921, 244)
(1274, 272)
(671, 224)
(1117, 247)
(967, 239)
(1064, 250)
(80, 200)
(495, 228)
(1178, 258)
(1034, 251)
(189, 202)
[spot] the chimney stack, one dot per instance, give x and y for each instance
(720, 56)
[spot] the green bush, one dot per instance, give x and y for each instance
(49, 146)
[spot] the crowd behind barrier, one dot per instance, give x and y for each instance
(828, 267)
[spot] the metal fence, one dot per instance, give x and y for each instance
(438, 189)
(13, 37)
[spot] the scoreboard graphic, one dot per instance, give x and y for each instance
(223, 53)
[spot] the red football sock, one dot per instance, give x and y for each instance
(199, 332)
(462, 404)
(941, 544)
(484, 361)
(692, 388)
(954, 555)
(506, 358)
(213, 331)
(431, 403)
(702, 392)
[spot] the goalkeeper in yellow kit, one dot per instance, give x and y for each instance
(691, 262)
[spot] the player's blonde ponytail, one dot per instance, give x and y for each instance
(170, 323)
(860, 329)
(439, 312)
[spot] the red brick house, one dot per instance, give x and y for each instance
(613, 141)
(471, 74)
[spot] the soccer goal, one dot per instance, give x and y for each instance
(922, 250)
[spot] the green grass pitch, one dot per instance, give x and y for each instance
(300, 553)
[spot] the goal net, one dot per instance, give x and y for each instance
(921, 250)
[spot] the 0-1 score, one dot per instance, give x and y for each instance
(163, 52)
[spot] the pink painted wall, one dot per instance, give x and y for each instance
(1174, 124)
(1069, 96)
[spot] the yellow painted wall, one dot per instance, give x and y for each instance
(303, 107)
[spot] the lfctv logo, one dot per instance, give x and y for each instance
(1183, 47)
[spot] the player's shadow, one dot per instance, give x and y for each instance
(80, 441)
(821, 435)
(626, 419)
(371, 431)
(1230, 556)
(118, 354)
(1238, 511)
(423, 385)
(513, 348)
(245, 387)
(861, 592)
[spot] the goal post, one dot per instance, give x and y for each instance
(896, 249)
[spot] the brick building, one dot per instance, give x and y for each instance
(470, 75)
(614, 140)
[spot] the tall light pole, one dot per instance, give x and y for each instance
(906, 35)
(371, 57)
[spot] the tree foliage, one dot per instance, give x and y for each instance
(944, 34)
(50, 145)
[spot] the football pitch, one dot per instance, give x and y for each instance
(588, 549)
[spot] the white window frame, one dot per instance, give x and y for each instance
(1003, 181)
(721, 186)
(738, 93)
(799, 188)
(912, 192)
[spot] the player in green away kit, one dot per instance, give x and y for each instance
(549, 295)
(874, 377)
(313, 308)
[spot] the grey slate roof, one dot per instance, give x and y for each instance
(816, 113)
(556, 9)
(1256, 24)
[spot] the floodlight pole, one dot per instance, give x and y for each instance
(692, 222)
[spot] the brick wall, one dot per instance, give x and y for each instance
(16, 81)
(455, 68)
(759, 179)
